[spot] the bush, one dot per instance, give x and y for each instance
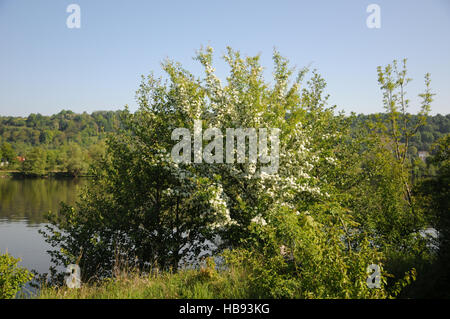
(12, 277)
(306, 257)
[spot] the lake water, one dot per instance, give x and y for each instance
(23, 205)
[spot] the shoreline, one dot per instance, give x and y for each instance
(57, 175)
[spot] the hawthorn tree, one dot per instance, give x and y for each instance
(292, 229)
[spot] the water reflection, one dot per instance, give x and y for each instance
(29, 199)
(23, 205)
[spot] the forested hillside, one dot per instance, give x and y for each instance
(68, 142)
(436, 127)
(63, 142)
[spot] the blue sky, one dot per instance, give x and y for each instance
(46, 67)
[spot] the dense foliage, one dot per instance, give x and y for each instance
(12, 276)
(434, 197)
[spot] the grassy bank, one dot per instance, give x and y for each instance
(199, 283)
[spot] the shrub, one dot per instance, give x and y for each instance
(12, 277)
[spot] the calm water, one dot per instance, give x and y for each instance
(23, 204)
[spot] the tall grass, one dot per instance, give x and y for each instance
(203, 283)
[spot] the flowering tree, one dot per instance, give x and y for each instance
(288, 227)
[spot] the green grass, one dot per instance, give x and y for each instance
(200, 283)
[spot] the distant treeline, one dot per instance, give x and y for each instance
(64, 142)
(67, 142)
(58, 129)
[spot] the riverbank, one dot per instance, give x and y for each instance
(6, 174)
(55, 174)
